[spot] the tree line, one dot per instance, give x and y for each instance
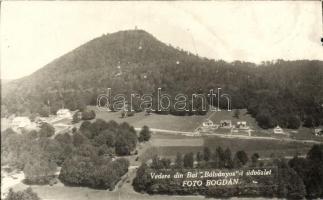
(87, 156)
(295, 179)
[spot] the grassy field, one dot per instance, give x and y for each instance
(167, 145)
(169, 122)
(263, 147)
(190, 142)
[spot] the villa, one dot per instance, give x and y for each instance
(19, 123)
(64, 113)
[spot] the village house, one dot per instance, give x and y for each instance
(318, 132)
(20, 122)
(278, 130)
(79, 115)
(225, 124)
(208, 123)
(64, 113)
(242, 125)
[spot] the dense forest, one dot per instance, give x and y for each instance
(87, 156)
(293, 179)
(285, 93)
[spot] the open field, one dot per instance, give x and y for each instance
(168, 146)
(190, 123)
(170, 122)
(190, 142)
(263, 147)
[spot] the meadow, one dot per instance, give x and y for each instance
(168, 122)
(166, 145)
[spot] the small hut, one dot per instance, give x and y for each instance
(278, 130)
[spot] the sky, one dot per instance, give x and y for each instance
(35, 33)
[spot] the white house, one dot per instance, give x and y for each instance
(242, 125)
(278, 130)
(318, 131)
(20, 122)
(64, 113)
(208, 123)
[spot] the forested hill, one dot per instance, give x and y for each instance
(281, 92)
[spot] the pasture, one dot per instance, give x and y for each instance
(264, 147)
(168, 122)
(166, 145)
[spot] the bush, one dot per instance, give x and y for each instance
(145, 134)
(27, 194)
(46, 130)
(293, 122)
(86, 168)
(76, 117)
(265, 120)
(39, 169)
(88, 114)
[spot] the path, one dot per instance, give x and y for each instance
(234, 136)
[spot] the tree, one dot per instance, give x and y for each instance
(123, 147)
(66, 146)
(144, 134)
(88, 114)
(254, 159)
(206, 154)
(289, 182)
(40, 167)
(85, 168)
(44, 111)
(309, 122)
(142, 180)
(46, 130)
(237, 113)
(240, 158)
(293, 122)
(228, 163)
(199, 157)
(316, 153)
(265, 120)
(221, 157)
(27, 194)
(123, 114)
(216, 159)
(179, 163)
(79, 139)
(86, 125)
(78, 168)
(310, 169)
(188, 160)
(76, 117)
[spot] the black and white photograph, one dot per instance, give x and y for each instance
(161, 100)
